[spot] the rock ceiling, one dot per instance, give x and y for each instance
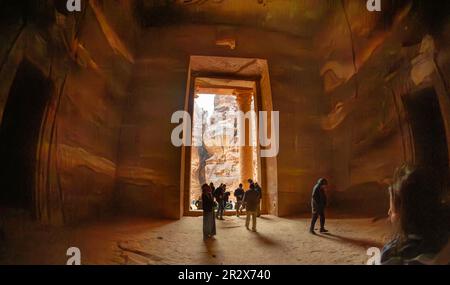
(301, 17)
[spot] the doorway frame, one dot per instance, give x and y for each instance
(255, 70)
(188, 162)
(402, 87)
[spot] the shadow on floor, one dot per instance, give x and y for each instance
(265, 217)
(358, 242)
(265, 240)
(211, 250)
(151, 258)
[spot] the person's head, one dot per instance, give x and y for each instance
(224, 186)
(205, 189)
(211, 184)
(250, 181)
(415, 202)
(322, 182)
(240, 185)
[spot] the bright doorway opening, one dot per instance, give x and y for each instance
(217, 153)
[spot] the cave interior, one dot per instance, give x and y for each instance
(86, 100)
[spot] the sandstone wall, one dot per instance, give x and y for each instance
(367, 122)
(118, 76)
(158, 89)
(77, 148)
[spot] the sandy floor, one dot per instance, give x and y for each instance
(278, 241)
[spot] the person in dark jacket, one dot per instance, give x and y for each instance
(219, 194)
(251, 199)
(226, 199)
(259, 190)
(209, 222)
(318, 204)
(239, 194)
(250, 182)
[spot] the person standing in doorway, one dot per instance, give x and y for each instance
(251, 199)
(318, 204)
(259, 190)
(239, 194)
(226, 197)
(219, 195)
(209, 223)
(250, 183)
(211, 186)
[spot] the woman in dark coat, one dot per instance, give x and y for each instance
(209, 222)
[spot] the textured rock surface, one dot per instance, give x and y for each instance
(366, 121)
(77, 149)
(219, 155)
(119, 74)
